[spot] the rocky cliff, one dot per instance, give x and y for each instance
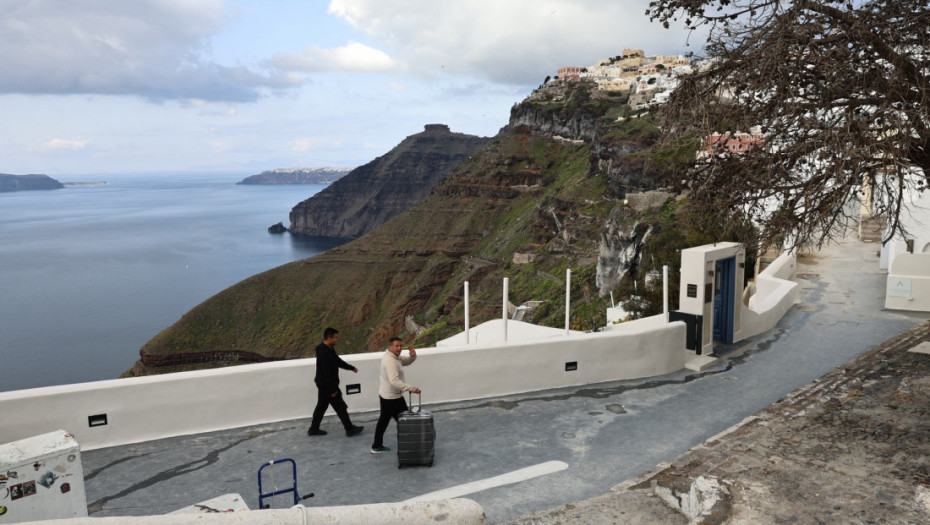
(537, 199)
(371, 194)
(28, 182)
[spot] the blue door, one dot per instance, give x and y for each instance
(724, 282)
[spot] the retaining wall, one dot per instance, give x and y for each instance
(146, 408)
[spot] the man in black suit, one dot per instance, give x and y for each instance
(327, 383)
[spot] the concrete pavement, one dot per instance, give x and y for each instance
(606, 434)
(852, 446)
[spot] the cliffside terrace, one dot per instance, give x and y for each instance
(539, 420)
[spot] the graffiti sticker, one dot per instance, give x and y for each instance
(48, 479)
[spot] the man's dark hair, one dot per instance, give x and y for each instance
(395, 338)
(329, 332)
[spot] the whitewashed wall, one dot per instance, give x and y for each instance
(147, 408)
(908, 283)
(775, 294)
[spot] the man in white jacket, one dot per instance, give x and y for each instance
(391, 390)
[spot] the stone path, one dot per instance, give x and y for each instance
(851, 447)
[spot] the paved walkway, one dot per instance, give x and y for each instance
(853, 446)
(598, 435)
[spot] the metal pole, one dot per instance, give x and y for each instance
(467, 339)
(665, 291)
(504, 315)
(568, 296)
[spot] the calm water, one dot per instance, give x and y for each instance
(88, 274)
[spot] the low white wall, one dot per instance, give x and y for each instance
(147, 408)
(908, 282)
(653, 321)
(783, 267)
(775, 294)
(457, 511)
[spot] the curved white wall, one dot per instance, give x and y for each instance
(775, 294)
(146, 408)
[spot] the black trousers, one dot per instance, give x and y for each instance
(323, 401)
(390, 409)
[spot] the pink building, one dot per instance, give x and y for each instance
(572, 73)
(733, 143)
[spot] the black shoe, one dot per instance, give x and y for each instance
(354, 431)
(316, 432)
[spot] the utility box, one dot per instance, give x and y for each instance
(42, 478)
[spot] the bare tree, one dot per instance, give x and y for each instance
(840, 89)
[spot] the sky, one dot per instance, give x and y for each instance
(242, 86)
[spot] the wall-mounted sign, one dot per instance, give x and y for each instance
(898, 287)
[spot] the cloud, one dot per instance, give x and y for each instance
(150, 48)
(222, 145)
(510, 42)
(311, 143)
(62, 144)
(351, 57)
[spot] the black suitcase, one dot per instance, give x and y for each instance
(416, 436)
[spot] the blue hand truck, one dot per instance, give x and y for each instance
(274, 488)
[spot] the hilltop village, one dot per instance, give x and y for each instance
(648, 80)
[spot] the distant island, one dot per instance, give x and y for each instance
(28, 182)
(85, 183)
(297, 176)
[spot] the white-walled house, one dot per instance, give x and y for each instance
(908, 259)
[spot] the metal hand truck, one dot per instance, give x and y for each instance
(274, 488)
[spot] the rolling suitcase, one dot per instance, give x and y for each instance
(416, 436)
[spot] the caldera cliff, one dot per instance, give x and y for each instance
(370, 195)
(550, 192)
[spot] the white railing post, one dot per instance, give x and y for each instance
(665, 291)
(504, 315)
(467, 340)
(568, 296)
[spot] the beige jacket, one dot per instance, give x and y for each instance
(392, 375)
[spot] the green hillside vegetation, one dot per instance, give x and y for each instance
(524, 193)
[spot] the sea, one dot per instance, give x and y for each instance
(91, 272)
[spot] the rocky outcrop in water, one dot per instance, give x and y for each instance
(372, 194)
(28, 182)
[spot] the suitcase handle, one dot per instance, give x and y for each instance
(419, 400)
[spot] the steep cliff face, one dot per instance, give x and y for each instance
(372, 194)
(560, 109)
(620, 247)
(28, 182)
(526, 207)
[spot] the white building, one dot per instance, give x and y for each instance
(908, 259)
